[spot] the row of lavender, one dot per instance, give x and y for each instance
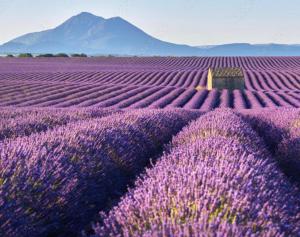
(218, 179)
(217, 176)
(281, 130)
(26, 121)
(254, 80)
(54, 180)
(119, 97)
(147, 63)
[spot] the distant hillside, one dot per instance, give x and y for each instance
(87, 33)
(251, 50)
(94, 35)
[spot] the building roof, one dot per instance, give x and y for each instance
(227, 72)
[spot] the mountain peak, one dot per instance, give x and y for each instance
(86, 15)
(116, 18)
(80, 23)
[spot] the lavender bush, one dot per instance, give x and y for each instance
(211, 184)
(280, 130)
(23, 122)
(54, 183)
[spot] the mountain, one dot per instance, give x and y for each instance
(87, 33)
(94, 35)
(243, 49)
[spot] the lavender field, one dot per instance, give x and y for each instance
(154, 82)
(129, 147)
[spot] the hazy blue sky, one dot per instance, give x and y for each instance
(195, 22)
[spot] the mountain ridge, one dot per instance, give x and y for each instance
(95, 35)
